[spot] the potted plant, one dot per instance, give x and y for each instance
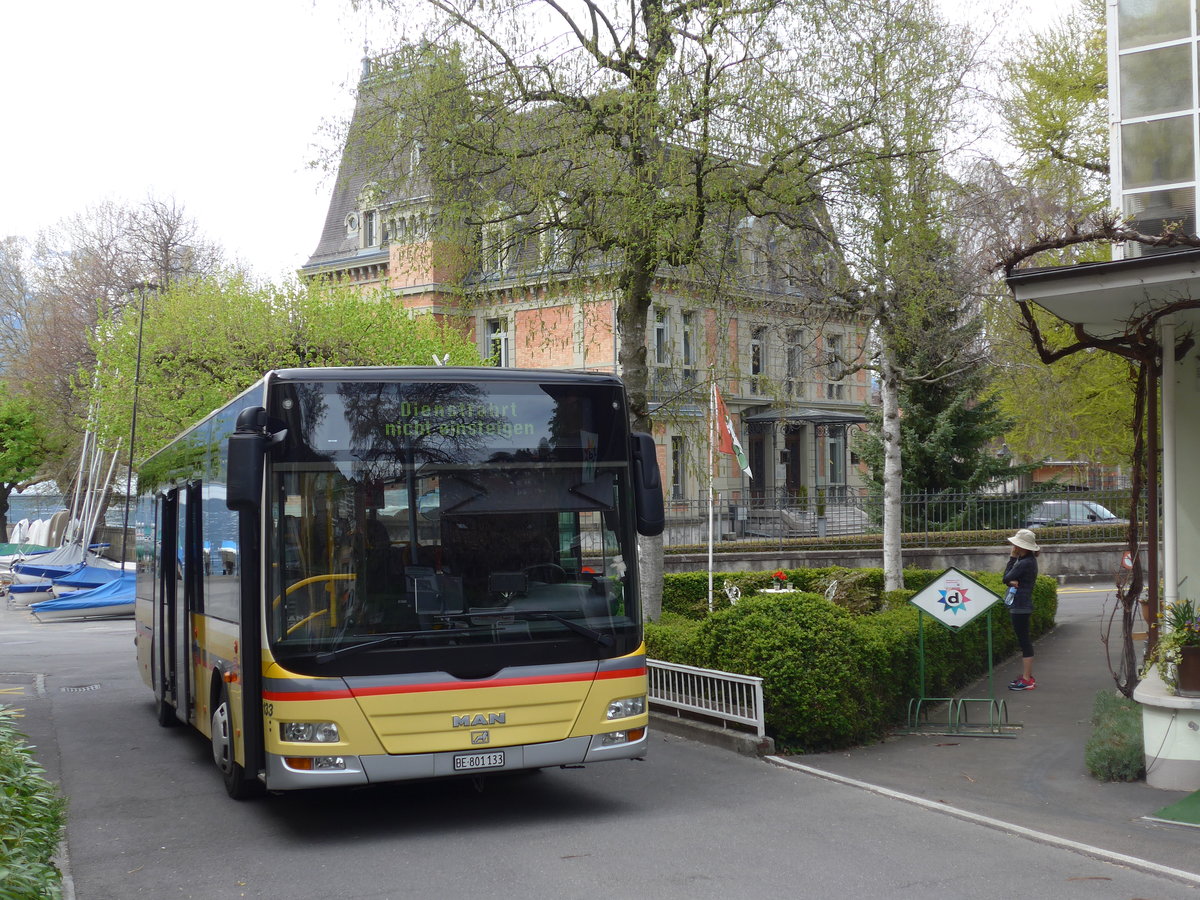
(779, 580)
(1176, 654)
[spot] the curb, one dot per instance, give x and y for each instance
(706, 733)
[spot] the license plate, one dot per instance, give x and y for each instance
(478, 761)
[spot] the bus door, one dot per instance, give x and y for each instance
(171, 632)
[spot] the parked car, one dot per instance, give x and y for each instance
(1071, 512)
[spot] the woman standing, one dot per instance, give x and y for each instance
(1020, 573)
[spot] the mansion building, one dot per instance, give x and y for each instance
(774, 347)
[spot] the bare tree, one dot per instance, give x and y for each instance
(87, 266)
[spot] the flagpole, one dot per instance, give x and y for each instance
(712, 437)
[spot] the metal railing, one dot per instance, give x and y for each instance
(726, 696)
(852, 518)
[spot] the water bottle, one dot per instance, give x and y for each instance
(1009, 596)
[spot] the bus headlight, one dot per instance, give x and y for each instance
(629, 706)
(309, 732)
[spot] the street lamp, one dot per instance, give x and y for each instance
(141, 287)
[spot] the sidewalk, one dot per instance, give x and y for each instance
(1038, 779)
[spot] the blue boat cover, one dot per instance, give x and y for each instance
(115, 593)
(89, 577)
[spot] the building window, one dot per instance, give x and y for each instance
(688, 338)
(678, 469)
(794, 384)
(369, 219)
(835, 440)
(662, 336)
(498, 343)
(834, 389)
(758, 359)
(494, 250)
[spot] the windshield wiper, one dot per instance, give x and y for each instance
(536, 615)
(394, 637)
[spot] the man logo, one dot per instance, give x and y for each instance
(480, 737)
(476, 720)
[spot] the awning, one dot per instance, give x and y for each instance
(806, 414)
(1103, 297)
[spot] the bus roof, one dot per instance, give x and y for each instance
(439, 373)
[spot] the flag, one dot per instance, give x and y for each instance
(728, 442)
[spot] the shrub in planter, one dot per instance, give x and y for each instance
(813, 665)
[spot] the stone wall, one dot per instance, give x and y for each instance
(1066, 562)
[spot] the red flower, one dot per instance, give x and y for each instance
(779, 576)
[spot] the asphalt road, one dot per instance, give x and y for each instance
(149, 818)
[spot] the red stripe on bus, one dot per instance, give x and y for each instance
(451, 686)
(307, 695)
(502, 682)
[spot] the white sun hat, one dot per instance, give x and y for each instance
(1026, 540)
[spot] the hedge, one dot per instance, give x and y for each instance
(32, 816)
(840, 658)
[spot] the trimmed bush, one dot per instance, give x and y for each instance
(32, 817)
(810, 658)
(1115, 752)
(672, 639)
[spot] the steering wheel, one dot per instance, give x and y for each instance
(305, 582)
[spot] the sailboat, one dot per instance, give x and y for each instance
(76, 556)
(112, 600)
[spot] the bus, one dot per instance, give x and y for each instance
(361, 575)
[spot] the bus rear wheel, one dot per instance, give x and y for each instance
(237, 785)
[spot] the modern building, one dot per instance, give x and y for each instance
(766, 337)
(1151, 297)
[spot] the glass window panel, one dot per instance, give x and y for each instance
(1141, 22)
(1156, 81)
(1158, 152)
(1152, 211)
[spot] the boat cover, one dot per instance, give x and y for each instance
(119, 592)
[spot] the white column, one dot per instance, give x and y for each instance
(1169, 518)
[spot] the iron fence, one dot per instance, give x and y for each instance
(852, 518)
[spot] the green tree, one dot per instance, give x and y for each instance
(54, 290)
(204, 340)
(1078, 408)
(1055, 110)
(23, 448)
(904, 272)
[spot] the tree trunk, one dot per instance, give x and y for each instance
(889, 392)
(634, 301)
(650, 576)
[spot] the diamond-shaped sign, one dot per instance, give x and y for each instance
(954, 599)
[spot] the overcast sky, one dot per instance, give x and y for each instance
(219, 105)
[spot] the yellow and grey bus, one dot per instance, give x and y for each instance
(358, 575)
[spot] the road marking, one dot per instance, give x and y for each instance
(1122, 859)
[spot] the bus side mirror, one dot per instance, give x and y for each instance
(247, 450)
(647, 485)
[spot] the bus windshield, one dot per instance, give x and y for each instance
(419, 520)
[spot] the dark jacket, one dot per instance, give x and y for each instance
(1024, 572)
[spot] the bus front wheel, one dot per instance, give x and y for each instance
(237, 785)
